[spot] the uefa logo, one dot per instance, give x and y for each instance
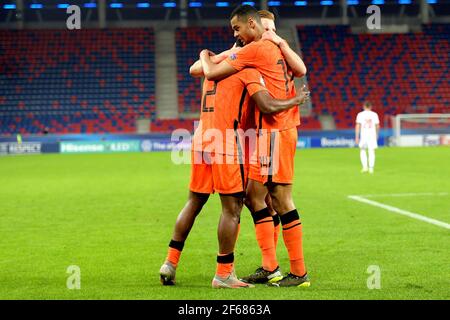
(146, 146)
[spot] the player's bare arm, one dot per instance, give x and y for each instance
(214, 71)
(267, 104)
(292, 58)
(196, 70)
(357, 129)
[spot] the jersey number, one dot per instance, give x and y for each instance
(283, 66)
(209, 93)
(368, 123)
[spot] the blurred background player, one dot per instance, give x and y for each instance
(366, 136)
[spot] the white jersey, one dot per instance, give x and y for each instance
(368, 121)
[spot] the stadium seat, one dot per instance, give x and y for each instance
(398, 73)
(87, 81)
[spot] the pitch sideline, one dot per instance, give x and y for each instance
(363, 199)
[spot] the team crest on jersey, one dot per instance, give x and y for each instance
(233, 56)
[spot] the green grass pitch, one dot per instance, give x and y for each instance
(112, 215)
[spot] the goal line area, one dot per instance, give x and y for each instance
(425, 129)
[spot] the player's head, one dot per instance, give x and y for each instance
(267, 20)
(367, 105)
(246, 24)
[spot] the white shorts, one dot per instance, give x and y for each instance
(368, 144)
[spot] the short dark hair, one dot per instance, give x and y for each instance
(245, 11)
(367, 104)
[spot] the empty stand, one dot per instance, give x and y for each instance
(93, 81)
(83, 81)
(398, 73)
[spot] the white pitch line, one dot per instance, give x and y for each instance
(400, 211)
(438, 194)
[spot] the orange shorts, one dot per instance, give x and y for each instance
(273, 159)
(224, 174)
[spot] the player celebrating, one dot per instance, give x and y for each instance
(263, 230)
(224, 106)
(366, 136)
(278, 130)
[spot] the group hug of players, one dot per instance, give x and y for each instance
(249, 96)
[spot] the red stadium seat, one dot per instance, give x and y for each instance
(73, 81)
(396, 72)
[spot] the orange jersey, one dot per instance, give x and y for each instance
(226, 106)
(266, 57)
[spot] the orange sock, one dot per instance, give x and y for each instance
(292, 235)
(225, 264)
(174, 253)
(276, 225)
(264, 229)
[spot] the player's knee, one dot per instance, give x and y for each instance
(232, 205)
(282, 204)
(248, 203)
(197, 201)
(232, 212)
(253, 202)
(237, 207)
(277, 204)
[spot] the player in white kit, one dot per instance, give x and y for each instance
(368, 125)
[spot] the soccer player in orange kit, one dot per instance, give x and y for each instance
(219, 167)
(264, 231)
(273, 167)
